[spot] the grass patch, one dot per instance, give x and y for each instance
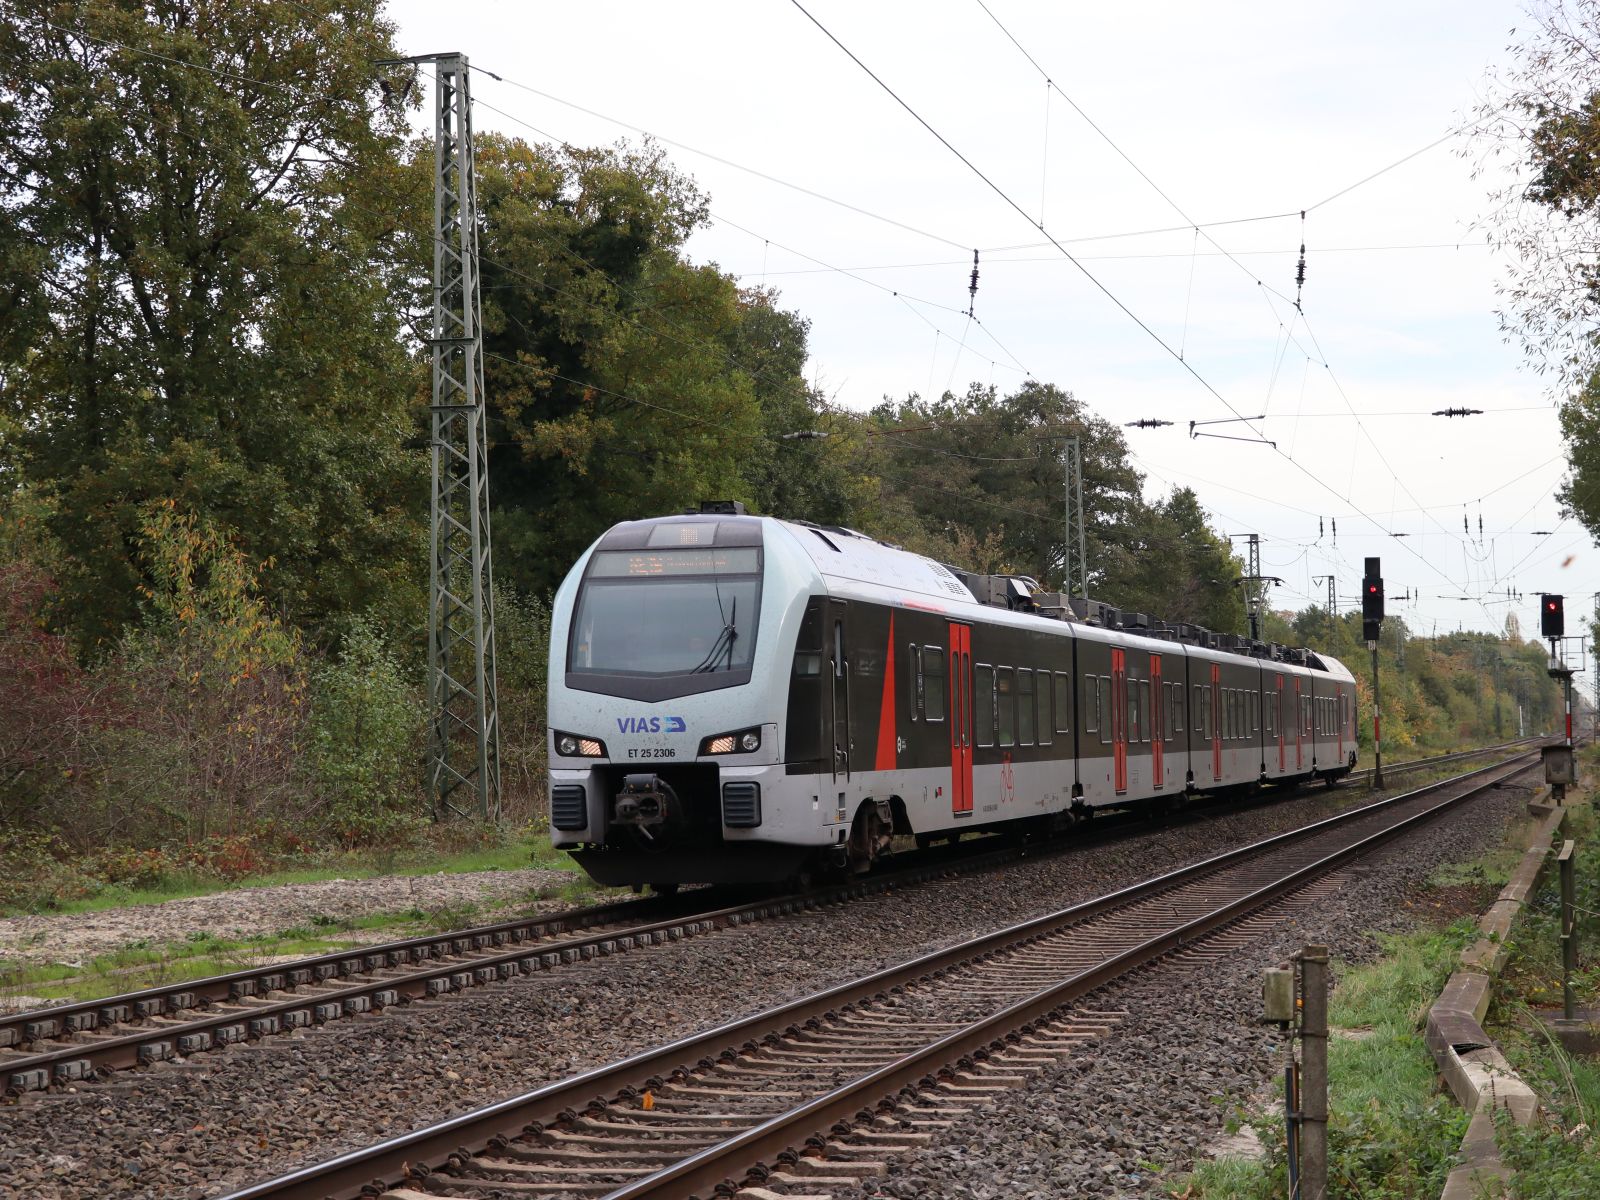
(142, 964)
(1392, 1134)
(1558, 1156)
(494, 852)
(1533, 974)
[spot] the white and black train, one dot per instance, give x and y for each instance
(738, 699)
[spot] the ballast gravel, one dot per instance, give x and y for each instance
(249, 912)
(1146, 1094)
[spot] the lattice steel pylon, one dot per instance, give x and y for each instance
(464, 743)
(1077, 569)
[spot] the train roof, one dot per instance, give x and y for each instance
(850, 561)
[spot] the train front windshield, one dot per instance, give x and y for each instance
(667, 612)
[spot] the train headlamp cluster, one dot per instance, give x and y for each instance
(570, 745)
(743, 741)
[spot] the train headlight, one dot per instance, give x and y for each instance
(570, 745)
(742, 741)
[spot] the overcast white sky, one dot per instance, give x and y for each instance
(1235, 111)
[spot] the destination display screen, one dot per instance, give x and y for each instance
(699, 560)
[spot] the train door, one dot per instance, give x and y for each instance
(1216, 722)
(1277, 702)
(839, 691)
(1119, 719)
(1158, 727)
(1338, 713)
(960, 718)
(1299, 727)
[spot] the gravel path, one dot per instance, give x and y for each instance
(228, 1118)
(247, 912)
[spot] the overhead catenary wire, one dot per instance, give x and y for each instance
(1007, 199)
(768, 242)
(235, 76)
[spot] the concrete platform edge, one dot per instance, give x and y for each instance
(1478, 1075)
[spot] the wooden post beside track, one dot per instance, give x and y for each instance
(1569, 929)
(1314, 1073)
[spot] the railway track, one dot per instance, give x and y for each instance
(818, 1092)
(64, 1044)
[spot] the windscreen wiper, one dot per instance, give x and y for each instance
(723, 646)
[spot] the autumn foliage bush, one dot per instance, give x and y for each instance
(208, 741)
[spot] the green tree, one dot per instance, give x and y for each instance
(791, 473)
(615, 383)
(1172, 565)
(986, 471)
(197, 226)
(1538, 126)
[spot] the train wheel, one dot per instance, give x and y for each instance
(869, 839)
(664, 889)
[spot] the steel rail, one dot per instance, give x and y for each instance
(709, 1167)
(236, 984)
(342, 983)
(374, 1167)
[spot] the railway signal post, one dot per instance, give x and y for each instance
(1553, 625)
(1371, 627)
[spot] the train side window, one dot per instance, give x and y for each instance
(1102, 701)
(1135, 726)
(1144, 711)
(1063, 703)
(1091, 710)
(933, 683)
(1045, 722)
(1025, 708)
(1005, 702)
(1255, 712)
(1177, 708)
(838, 649)
(1227, 713)
(1267, 710)
(983, 703)
(1200, 694)
(914, 666)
